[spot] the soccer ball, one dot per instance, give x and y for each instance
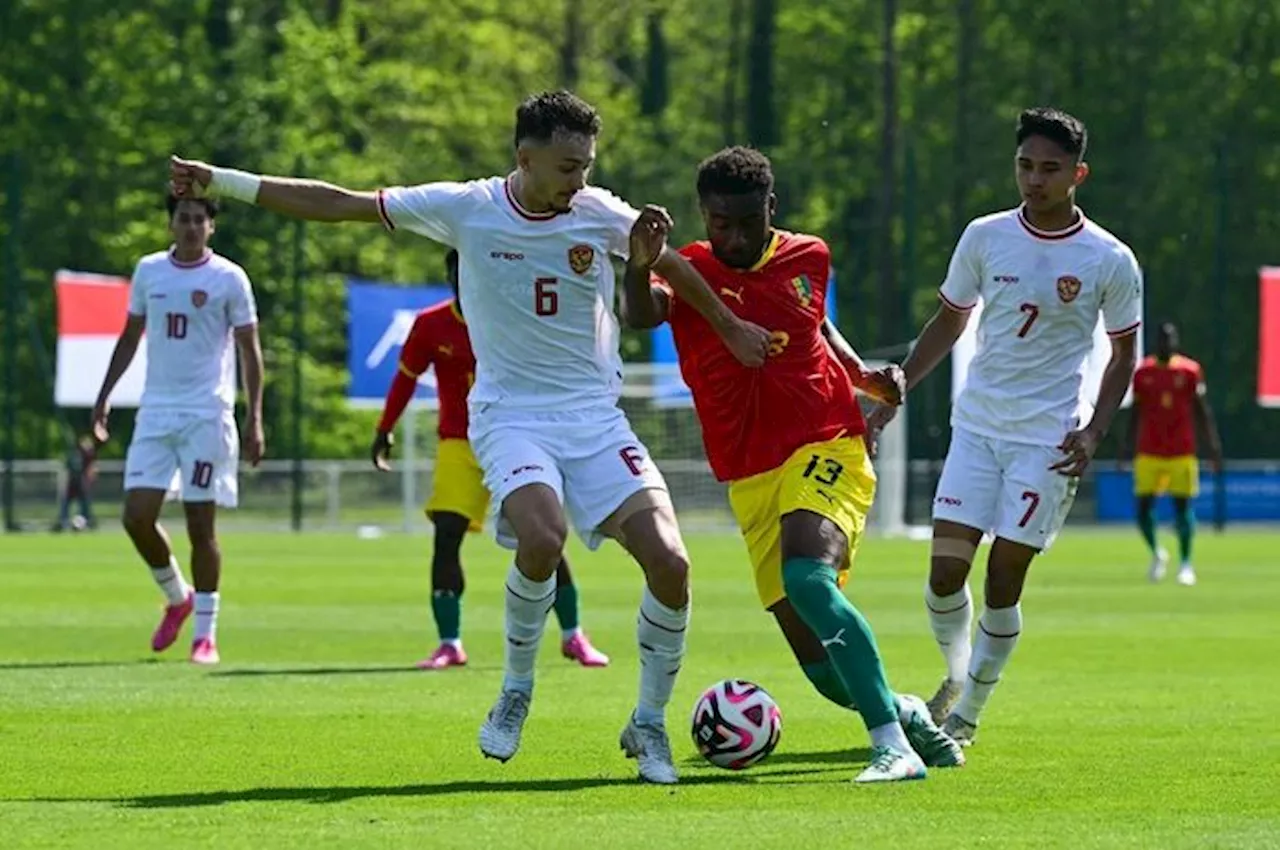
(736, 724)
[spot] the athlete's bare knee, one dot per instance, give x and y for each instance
(539, 549)
(950, 561)
(667, 575)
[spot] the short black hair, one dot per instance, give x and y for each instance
(1067, 130)
(451, 259)
(210, 204)
(542, 115)
(735, 171)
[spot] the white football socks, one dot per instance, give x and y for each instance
(950, 617)
(528, 603)
(660, 632)
(169, 580)
(998, 631)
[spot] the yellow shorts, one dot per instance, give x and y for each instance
(834, 479)
(1177, 476)
(457, 487)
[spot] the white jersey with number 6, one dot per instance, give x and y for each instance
(1042, 293)
(191, 310)
(537, 288)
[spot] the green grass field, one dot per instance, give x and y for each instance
(1130, 716)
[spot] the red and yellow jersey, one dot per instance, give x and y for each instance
(754, 419)
(1165, 397)
(439, 338)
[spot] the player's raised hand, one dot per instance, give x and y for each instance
(1078, 446)
(189, 178)
(98, 422)
(649, 235)
(255, 442)
(380, 451)
(888, 384)
(749, 343)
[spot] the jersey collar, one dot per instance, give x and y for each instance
(521, 211)
(204, 258)
(775, 239)
(1050, 235)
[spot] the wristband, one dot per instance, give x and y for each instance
(231, 183)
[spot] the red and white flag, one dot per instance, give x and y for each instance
(1269, 336)
(91, 314)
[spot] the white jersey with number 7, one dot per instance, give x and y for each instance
(537, 289)
(1041, 293)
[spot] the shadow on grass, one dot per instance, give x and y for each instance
(73, 665)
(845, 758)
(345, 671)
(342, 794)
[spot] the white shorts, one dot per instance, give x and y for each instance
(191, 455)
(1004, 488)
(591, 459)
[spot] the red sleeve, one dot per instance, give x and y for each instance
(398, 398)
(415, 358)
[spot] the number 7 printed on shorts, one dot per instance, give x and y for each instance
(1034, 498)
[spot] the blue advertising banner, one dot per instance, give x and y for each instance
(1251, 496)
(379, 319)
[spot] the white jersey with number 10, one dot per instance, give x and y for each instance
(537, 289)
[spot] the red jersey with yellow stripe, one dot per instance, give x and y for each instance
(1166, 395)
(439, 338)
(754, 419)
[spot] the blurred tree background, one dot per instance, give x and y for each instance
(890, 124)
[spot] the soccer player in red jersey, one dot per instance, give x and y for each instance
(789, 440)
(459, 500)
(1169, 402)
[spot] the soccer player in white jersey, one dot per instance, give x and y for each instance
(1021, 432)
(538, 294)
(192, 304)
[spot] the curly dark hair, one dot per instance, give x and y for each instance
(210, 205)
(1054, 124)
(735, 171)
(542, 115)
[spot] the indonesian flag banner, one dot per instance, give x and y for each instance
(1269, 336)
(91, 314)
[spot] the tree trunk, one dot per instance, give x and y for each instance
(888, 157)
(762, 120)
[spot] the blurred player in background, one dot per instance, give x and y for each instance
(193, 305)
(789, 440)
(459, 500)
(1169, 401)
(1021, 433)
(82, 471)
(544, 417)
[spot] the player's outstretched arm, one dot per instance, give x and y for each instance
(313, 200)
(748, 342)
(1129, 446)
(1079, 445)
(885, 385)
(250, 347)
(935, 342)
(644, 306)
(121, 357)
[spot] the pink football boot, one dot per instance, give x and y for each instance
(447, 655)
(204, 651)
(171, 624)
(578, 648)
